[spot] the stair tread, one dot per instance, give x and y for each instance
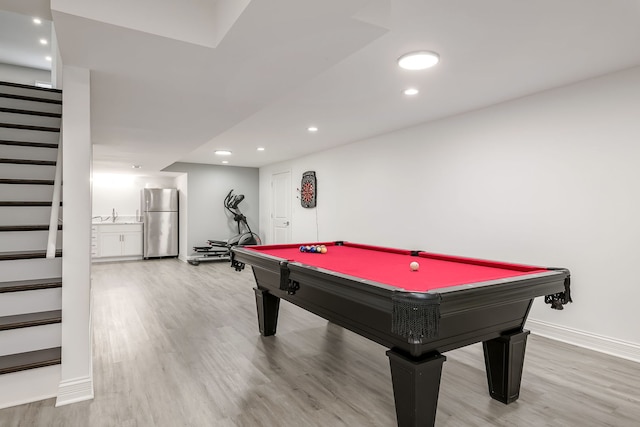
(29, 143)
(8, 256)
(30, 285)
(30, 360)
(26, 181)
(30, 112)
(31, 98)
(30, 319)
(29, 127)
(35, 227)
(28, 162)
(24, 203)
(37, 88)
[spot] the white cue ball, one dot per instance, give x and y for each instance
(414, 266)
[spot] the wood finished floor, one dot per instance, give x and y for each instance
(178, 345)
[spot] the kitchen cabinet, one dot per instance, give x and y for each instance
(118, 240)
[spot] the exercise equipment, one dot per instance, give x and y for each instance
(221, 249)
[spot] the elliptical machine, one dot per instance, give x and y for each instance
(221, 249)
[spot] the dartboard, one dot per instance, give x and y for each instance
(308, 190)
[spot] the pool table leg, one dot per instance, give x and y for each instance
(267, 305)
(416, 383)
(504, 358)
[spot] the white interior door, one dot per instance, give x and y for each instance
(281, 207)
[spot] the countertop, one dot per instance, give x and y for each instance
(120, 220)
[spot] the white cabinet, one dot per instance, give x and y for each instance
(119, 240)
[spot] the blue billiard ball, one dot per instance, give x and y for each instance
(301, 248)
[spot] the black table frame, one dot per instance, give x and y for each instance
(497, 310)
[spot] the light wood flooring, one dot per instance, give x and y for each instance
(178, 345)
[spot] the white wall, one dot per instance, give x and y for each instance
(550, 179)
(182, 184)
(76, 378)
(23, 75)
(122, 192)
(207, 187)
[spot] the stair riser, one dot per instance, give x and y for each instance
(29, 339)
(32, 153)
(32, 92)
(20, 104)
(10, 134)
(19, 171)
(32, 193)
(29, 119)
(29, 386)
(14, 303)
(13, 241)
(25, 215)
(27, 269)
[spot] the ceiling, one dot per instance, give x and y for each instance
(20, 41)
(195, 76)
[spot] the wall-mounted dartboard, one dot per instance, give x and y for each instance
(308, 190)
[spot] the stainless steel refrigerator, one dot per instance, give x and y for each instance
(160, 218)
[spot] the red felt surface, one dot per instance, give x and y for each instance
(391, 266)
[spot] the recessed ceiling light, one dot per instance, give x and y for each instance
(48, 58)
(225, 162)
(43, 41)
(411, 91)
(260, 148)
(223, 152)
(37, 21)
(136, 166)
(418, 60)
(312, 129)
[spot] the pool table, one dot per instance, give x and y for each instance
(447, 303)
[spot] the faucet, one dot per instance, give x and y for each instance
(114, 215)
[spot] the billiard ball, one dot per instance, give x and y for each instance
(414, 266)
(302, 249)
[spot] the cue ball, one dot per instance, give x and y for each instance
(414, 266)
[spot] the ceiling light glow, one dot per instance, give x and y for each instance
(37, 21)
(44, 41)
(225, 162)
(411, 91)
(48, 58)
(312, 129)
(223, 152)
(418, 60)
(260, 148)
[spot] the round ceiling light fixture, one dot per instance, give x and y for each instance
(312, 129)
(411, 91)
(223, 152)
(418, 60)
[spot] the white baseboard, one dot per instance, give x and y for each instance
(73, 391)
(29, 386)
(613, 347)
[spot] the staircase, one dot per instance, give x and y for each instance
(30, 283)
